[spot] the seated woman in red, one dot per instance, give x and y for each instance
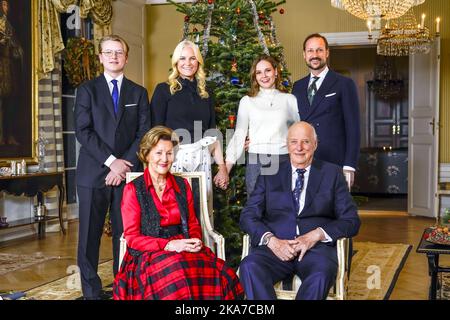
(165, 258)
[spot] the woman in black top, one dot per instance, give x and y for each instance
(184, 105)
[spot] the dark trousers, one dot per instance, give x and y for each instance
(261, 269)
(93, 206)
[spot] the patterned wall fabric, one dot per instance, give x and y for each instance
(50, 125)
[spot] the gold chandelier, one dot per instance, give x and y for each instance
(403, 37)
(375, 10)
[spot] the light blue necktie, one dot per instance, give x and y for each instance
(115, 95)
(298, 187)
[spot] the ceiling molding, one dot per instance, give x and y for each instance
(351, 38)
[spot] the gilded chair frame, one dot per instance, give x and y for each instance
(211, 238)
(338, 291)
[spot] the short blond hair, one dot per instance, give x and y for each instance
(151, 139)
(114, 37)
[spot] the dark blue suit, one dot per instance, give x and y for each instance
(335, 116)
(102, 133)
(270, 208)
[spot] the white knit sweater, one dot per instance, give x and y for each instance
(266, 119)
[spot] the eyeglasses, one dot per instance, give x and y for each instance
(110, 53)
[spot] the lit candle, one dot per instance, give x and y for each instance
(369, 25)
(422, 22)
(437, 24)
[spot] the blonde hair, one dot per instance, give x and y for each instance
(200, 75)
(151, 139)
(114, 37)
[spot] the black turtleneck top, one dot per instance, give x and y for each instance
(179, 111)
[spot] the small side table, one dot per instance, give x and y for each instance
(433, 251)
(35, 184)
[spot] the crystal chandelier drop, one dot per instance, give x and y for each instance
(386, 84)
(403, 37)
(374, 10)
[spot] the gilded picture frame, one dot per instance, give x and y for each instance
(18, 80)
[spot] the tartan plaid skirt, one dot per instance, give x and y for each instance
(176, 276)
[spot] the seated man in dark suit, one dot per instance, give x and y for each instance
(294, 219)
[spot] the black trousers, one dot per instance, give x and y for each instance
(93, 206)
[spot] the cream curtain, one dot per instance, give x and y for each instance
(50, 126)
(50, 39)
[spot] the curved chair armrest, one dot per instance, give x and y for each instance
(245, 246)
(342, 248)
(122, 249)
(219, 240)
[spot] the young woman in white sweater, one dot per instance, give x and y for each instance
(265, 115)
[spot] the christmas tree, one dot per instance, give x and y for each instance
(231, 34)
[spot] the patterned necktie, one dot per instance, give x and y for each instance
(298, 187)
(115, 95)
(312, 89)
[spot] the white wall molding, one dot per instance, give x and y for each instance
(350, 38)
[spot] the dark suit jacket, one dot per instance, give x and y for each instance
(102, 133)
(328, 204)
(335, 116)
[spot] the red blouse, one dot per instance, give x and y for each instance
(167, 208)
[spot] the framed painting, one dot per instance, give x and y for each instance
(18, 80)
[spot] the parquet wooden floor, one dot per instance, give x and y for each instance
(377, 226)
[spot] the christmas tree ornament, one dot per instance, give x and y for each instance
(234, 81)
(238, 10)
(186, 19)
(266, 22)
(281, 11)
(262, 41)
(232, 120)
(234, 66)
(207, 30)
(210, 1)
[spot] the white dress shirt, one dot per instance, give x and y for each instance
(119, 79)
(303, 196)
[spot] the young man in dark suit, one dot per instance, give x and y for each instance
(111, 116)
(294, 219)
(329, 102)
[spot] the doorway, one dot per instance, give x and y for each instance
(381, 180)
(423, 123)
